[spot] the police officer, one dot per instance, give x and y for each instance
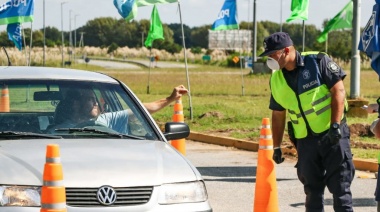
(310, 87)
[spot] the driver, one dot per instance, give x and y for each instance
(81, 106)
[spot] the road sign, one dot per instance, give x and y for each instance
(235, 59)
(249, 62)
(206, 57)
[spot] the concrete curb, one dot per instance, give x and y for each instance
(370, 165)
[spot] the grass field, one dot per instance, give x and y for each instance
(217, 102)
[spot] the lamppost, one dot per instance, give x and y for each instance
(254, 35)
(63, 39)
(248, 12)
(249, 37)
(75, 34)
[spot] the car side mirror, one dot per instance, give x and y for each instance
(176, 130)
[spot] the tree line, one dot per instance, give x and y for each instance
(111, 33)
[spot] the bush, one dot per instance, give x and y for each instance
(196, 50)
(49, 43)
(113, 47)
(171, 47)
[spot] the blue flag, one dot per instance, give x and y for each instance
(14, 34)
(370, 39)
(16, 11)
(126, 8)
(227, 17)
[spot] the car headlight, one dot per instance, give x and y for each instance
(182, 192)
(20, 196)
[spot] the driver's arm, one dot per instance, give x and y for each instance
(157, 105)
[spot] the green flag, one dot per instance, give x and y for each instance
(342, 20)
(299, 10)
(141, 3)
(156, 31)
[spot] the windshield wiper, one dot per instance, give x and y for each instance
(85, 129)
(11, 134)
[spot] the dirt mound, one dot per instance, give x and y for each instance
(212, 114)
(359, 129)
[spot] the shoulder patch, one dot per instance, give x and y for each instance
(333, 67)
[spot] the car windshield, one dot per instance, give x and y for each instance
(35, 109)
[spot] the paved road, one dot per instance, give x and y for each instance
(111, 64)
(229, 174)
(163, 64)
(129, 64)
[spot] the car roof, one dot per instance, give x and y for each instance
(32, 72)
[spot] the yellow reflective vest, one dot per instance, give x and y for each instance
(309, 107)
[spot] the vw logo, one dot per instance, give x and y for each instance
(106, 195)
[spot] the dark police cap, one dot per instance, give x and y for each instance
(275, 42)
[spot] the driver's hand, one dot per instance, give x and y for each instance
(178, 92)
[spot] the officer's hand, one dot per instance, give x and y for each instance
(333, 136)
(277, 156)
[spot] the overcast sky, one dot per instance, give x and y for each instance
(194, 12)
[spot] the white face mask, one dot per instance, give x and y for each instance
(272, 64)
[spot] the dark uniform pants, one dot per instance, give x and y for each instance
(323, 164)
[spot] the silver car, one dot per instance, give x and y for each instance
(133, 159)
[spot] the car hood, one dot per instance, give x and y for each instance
(96, 162)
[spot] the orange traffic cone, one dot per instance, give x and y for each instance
(179, 144)
(53, 194)
(178, 111)
(4, 99)
(266, 187)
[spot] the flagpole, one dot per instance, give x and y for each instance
(75, 37)
(185, 56)
(241, 65)
(70, 36)
(31, 41)
(150, 65)
(63, 38)
(303, 35)
(43, 63)
(23, 36)
(240, 57)
(254, 36)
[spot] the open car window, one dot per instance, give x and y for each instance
(43, 106)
